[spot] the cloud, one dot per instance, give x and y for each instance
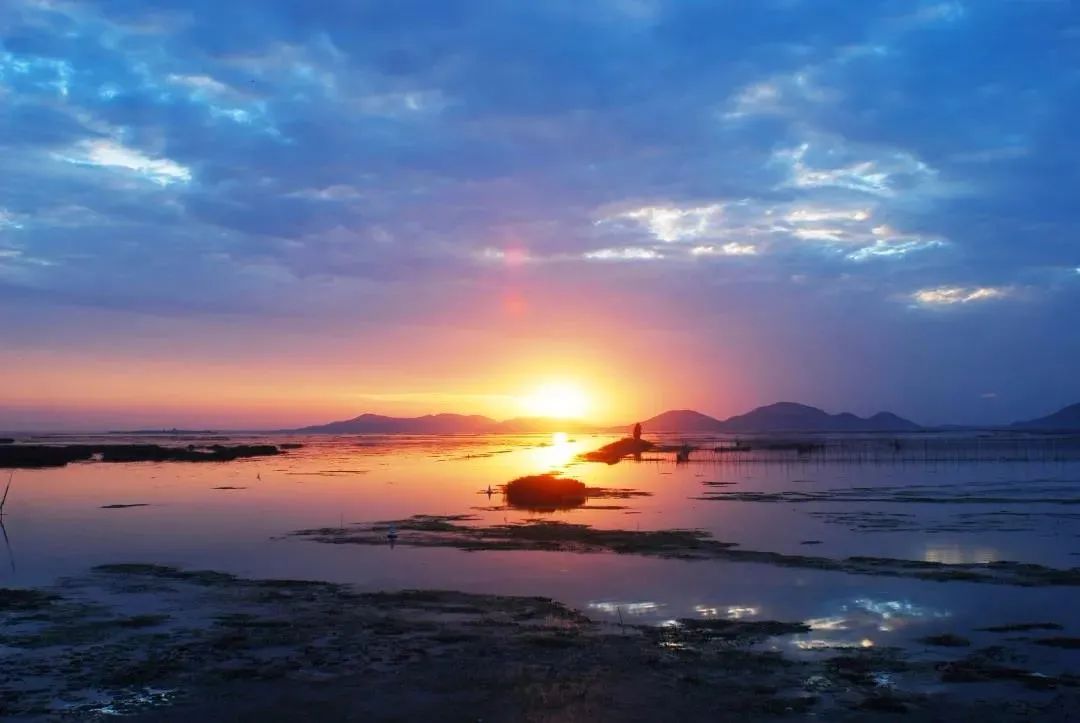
(200, 83)
(729, 249)
(671, 223)
(954, 295)
(834, 165)
(110, 154)
(623, 254)
(746, 227)
(9, 220)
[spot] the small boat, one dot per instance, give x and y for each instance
(392, 533)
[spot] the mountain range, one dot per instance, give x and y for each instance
(779, 417)
(1065, 419)
(446, 424)
(784, 416)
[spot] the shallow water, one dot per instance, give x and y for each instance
(864, 504)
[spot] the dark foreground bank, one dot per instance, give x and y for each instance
(45, 455)
(160, 644)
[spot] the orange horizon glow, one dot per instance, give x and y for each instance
(231, 375)
(94, 393)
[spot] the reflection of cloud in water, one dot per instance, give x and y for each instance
(856, 618)
(893, 614)
(820, 644)
(836, 622)
(953, 554)
(731, 612)
(628, 608)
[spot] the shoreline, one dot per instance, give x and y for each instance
(160, 644)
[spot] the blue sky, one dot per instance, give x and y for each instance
(860, 205)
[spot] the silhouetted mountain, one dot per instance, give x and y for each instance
(792, 417)
(428, 424)
(1063, 419)
(780, 417)
(539, 425)
(445, 424)
(682, 420)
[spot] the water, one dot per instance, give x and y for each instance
(862, 505)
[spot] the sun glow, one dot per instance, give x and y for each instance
(561, 400)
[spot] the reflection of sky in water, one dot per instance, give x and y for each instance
(625, 608)
(857, 622)
(731, 612)
(57, 527)
(957, 554)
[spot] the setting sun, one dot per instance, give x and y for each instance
(562, 400)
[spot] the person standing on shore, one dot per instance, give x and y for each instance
(637, 431)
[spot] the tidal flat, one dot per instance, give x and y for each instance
(832, 578)
(211, 646)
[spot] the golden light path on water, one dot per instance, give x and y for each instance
(555, 455)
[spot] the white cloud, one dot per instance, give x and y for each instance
(202, 83)
(953, 295)
(624, 254)
(237, 115)
(852, 227)
(672, 223)
(49, 74)
(8, 220)
(766, 228)
(896, 246)
(781, 94)
(834, 165)
(111, 154)
(728, 249)
(821, 233)
(758, 98)
(811, 214)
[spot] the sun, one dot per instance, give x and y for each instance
(562, 400)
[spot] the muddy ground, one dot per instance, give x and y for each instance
(457, 531)
(159, 644)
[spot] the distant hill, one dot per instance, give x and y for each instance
(539, 425)
(779, 417)
(445, 424)
(1063, 419)
(682, 420)
(792, 417)
(428, 424)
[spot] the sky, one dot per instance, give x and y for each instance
(271, 213)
